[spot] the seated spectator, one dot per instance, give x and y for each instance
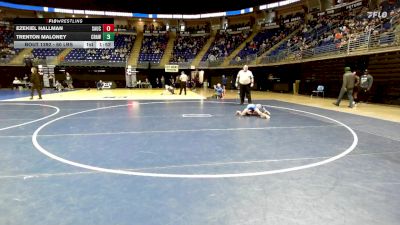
(58, 86)
(99, 85)
(17, 83)
(146, 83)
(219, 91)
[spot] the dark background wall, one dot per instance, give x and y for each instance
(384, 67)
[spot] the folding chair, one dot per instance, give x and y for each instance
(320, 89)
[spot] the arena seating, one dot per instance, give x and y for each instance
(224, 44)
(187, 47)
(7, 50)
(42, 53)
(153, 48)
(329, 34)
(263, 41)
(121, 51)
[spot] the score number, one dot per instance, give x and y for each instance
(108, 32)
(108, 36)
(108, 27)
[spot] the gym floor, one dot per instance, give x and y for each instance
(139, 157)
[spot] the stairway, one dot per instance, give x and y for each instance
(196, 61)
(19, 59)
(239, 48)
(135, 51)
(169, 49)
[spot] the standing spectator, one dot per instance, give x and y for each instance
(347, 87)
(171, 81)
(157, 83)
(183, 78)
(26, 81)
(162, 82)
(366, 81)
(51, 80)
(355, 90)
(224, 80)
(36, 81)
(69, 81)
(245, 81)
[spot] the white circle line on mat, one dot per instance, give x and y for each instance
(193, 176)
(33, 121)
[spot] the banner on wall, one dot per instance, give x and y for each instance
(171, 68)
(340, 8)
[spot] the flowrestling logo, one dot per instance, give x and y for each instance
(376, 14)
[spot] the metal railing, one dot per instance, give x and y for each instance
(212, 63)
(183, 65)
(247, 60)
(92, 63)
(356, 44)
(5, 60)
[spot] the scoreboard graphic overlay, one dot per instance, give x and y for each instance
(64, 33)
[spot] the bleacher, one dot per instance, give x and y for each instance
(153, 47)
(224, 45)
(121, 51)
(187, 47)
(339, 34)
(262, 42)
(7, 50)
(42, 53)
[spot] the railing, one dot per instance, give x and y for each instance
(182, 65)
(5, 60)
(213, 63)
(248, 60)
(92, 63)
(356, 44)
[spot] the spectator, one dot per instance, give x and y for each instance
(69, 81)
(347, 87)
(366, 81)
(36, 81)
(58, 86)
(16, 83)
(219, 91)
(99, 85)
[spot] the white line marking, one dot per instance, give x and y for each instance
(164, 175)
(38, 175)
(196, 115)
(178, 131)
(33, 121)
(379, 135)
(170, 131)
